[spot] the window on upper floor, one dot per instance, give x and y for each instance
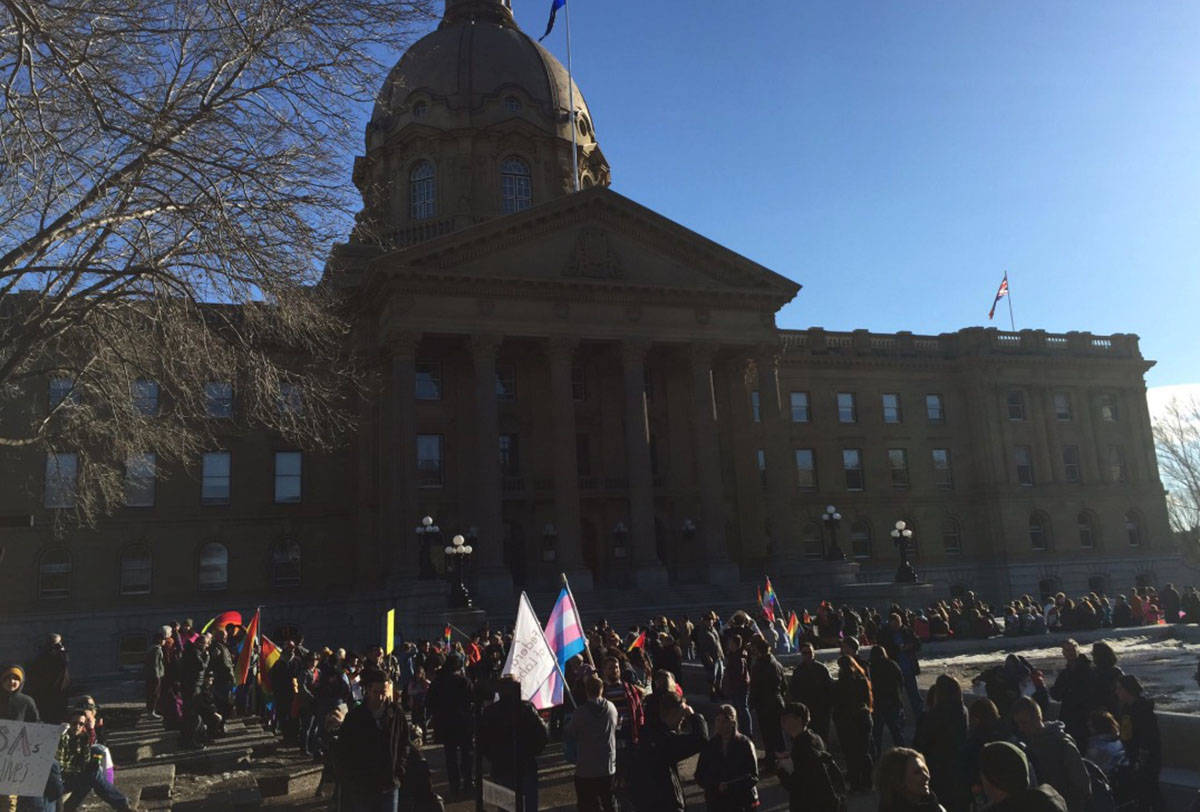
(1087, 530)
(285, 563)
(135, 570)
(853, 469)
(1133, 528)
(1117, 470)
(935, 408)
(291, 398)
(145, 396)
(429, 380)
(214, 478)
(1016, 405)
(62, 471)
(755, 406)
(422, 191)
(218, 399)
(760, 460)
(517, 185)
(1023, 457)
(806, 469)
(140, 475)
(1039, 531)
(1062, 405)
(578, 383)
(943, 468)
(951, 536)
(800, 409)
(506, 382)
(510, 456)
(1110, 412)
(288, 477)
(54, 573)
(61, 389)
(860, 539)
(1072, 471)
(898, 465)
(430, 469)
(891, 408)
(847, 405)
(212, 568)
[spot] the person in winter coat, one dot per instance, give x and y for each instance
(153, 670)
(808, 772)
(812, 686)
(728, 767)
(511, 735)
(48, 680)
(221, 664)
(1074, 690)
(449, 704)
(766, 697)
(1056, 759)
(1104, 745)
(1105, 673)
(708, 649)
(735, 683)
(14, 705)
(984, 726)
(852, 705)
(903, 783)
(886, 684)
(672, 734)
(1143, 744)
(942, 737)
(593, 729)
(1004, 771)
(904, 647)
(373, 748)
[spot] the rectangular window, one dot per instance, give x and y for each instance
(145, 396)
(429, 460)
(60, 390)
(291, 398)
(935, 409)
(891, 408)
(583, 455)
(943, 470)
(510, 457)
(288, 466)
(760, 459)
(429, 380)
(578, 383)
(847, 407)
(755, 406)
(59, 485)
(800, 412)
(214, 479)
(1071, 468)
(139, 480)
(506, 382)
(852, 466)
(1023, 456)
(1109, 411)
(1016, 405)
(806, 469)
(218, 399)
(1062, 405)
(1117, 471)
(898, 465)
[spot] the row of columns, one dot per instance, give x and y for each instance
(399, 432)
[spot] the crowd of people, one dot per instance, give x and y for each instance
(627, 726)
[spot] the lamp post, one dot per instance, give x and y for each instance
(901, 537)
(832, 519)
(428, 534)
(458, 551)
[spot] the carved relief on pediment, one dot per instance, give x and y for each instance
(593, 257)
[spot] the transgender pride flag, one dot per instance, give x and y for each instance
(565, 636)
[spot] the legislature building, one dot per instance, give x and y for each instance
(578, 384)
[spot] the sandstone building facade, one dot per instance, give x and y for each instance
(578, 384)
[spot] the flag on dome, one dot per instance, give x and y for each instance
(565, 636)
(554, 7)
(1000, 294)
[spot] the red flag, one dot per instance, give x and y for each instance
(1000, 294)
(243, 663)
(640, 642)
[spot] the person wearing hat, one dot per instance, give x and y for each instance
(1004, 773)
(14, 705)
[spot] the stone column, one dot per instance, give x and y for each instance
(1041, 413)
(494, 579)
(561, 354)
(647, 570)
(398, 503)
(779, 465)
(1091, 449)
(706, 446)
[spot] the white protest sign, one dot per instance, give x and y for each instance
(27, 751)
(530, 659)
(499, 797)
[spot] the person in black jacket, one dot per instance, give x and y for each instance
(14, 705)
(672, 733)
(449, 701)
(808, 772)
(812, 686)
(728, 767)
(903, 783)
(852, 716)
(195, 668)
(372, 748)
(941, 737)
(511, 735)
(766, 697)
(1143, 744)
(48, 681)
(1074, 690)
(886, 685)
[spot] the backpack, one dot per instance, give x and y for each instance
(835, 779)
(1101, 799)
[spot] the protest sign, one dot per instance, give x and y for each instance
(530, 660)
(26, 752)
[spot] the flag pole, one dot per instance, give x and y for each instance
(571, 102)
(1011, 321)
(578, 619)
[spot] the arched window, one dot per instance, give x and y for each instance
(860, 539)
(1133, 528)
(951, 536)
(1087, 530)
(135, 570)
(517, 186)
(422, 189)
(285, 563)
(54, 574)
(811, 541)
(213, 570)
(1039, 531)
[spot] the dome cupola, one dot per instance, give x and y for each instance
(473, 122)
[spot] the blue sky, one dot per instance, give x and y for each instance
(896, 158)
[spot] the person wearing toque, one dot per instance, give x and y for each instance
(1004, 772)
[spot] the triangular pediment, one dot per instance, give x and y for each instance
(593, 239)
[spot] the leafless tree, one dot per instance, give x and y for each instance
(173, 175)
(1177, 440)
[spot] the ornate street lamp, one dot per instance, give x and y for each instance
(458, 551)
(549, 543)
(902, 537)
(832, 519)
(620, 540)
(428, 535)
